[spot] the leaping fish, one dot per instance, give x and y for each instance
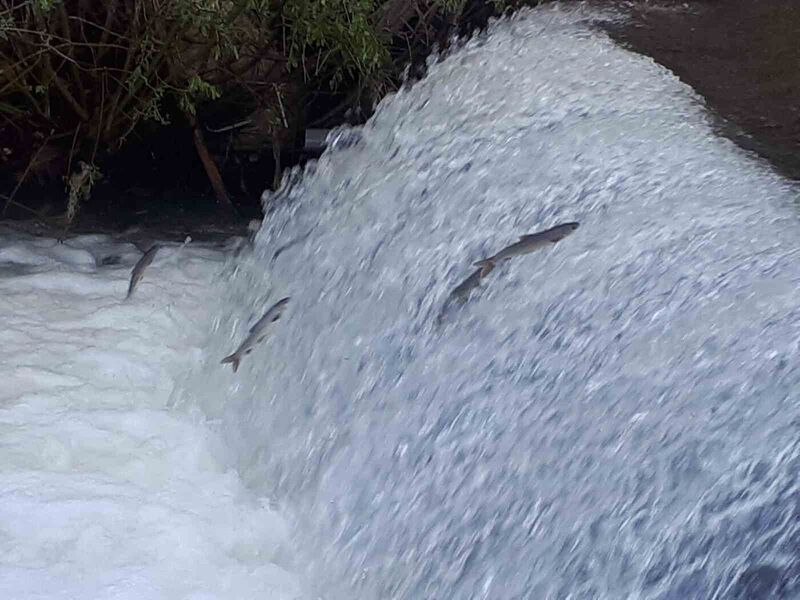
(463, 290)
(138, 269)
(527, 243)
(257, 334)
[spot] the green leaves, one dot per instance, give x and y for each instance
(203, 88)
(454, 6)
(331, 39)
(101, 68)
(45, 6)
(197, 89)
(6, 25)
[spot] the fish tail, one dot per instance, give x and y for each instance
(233, 359)
(134, 283)
(485, 265)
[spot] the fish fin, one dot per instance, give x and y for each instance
(233, 360)
(486, 266)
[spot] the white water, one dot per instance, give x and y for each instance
(614, 417)
(103, 492)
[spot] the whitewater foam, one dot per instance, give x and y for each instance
(601, 416)
(103, 492)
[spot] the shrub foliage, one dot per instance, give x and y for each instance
(86, 73)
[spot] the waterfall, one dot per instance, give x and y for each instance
(615, 416)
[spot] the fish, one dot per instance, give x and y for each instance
(528, 243)
(138, 269)
(257, 334)
(462, 291)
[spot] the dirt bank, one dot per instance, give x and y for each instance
(742, 56)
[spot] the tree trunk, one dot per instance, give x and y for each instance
(210, 166)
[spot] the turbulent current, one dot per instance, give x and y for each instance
(616, 416)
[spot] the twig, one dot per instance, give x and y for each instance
(25, 90)
(11, 123)
(343, 105)
(155, 65)
(229, 127)
(33, 211)
(76, 76)
(280, 104)
(237, 10)
(276, 155)
(211, 168)
(25, 173)
(51, 74)
(72, 150)
(106, 28)
(100, 120)
(131, 51)
(65, 93)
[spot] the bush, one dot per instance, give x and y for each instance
(87, 74)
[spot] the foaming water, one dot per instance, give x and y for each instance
(612, 417)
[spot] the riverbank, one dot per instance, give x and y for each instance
(743, 57)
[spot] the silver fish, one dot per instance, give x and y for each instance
(462, 291)
(527, 243)
(138, 269)
(257, 333)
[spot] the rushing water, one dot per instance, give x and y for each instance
(613, 417)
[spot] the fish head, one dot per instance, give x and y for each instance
(280, 306)
(277, 309)
(563, 231)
